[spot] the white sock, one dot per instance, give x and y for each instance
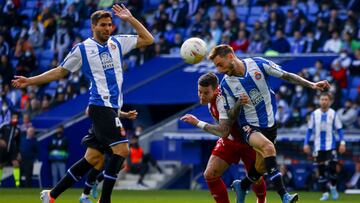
(84, 195)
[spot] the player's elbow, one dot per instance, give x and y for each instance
(225, 131)
(146, 41)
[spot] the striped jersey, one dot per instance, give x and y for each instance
(261, 109)
(323, 125)
(102, 65)
(217, 111)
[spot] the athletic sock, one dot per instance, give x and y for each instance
(16, 174)
(73, 175)
(91, 180)
(260, 190)
(110, 177)
(100, 177)
(274, 175)
(322, 178)
(218, 190)
(245, 183)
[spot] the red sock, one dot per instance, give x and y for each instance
(218, 190)
(260, 190)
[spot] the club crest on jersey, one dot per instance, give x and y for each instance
(112, 46)
(257, 75)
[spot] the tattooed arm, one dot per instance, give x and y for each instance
(235, 110)
(221, 130)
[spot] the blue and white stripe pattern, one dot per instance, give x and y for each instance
(323, 125)
(102, 65)
(261, 109)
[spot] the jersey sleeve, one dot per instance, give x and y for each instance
(338, 124)
(127, 42)
(229, 100)
(220, 103)
(270, 67)
(73, 60)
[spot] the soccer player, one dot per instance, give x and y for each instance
(96, 174)
(230, 148)
(323, 123)
(100, 58)
(257, 118)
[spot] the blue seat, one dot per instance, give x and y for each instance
(355, 81)
(85, 33)
(242, 10)
(30, 4)
(47, 54)
(353, 93)
(28, 12)
(256, 10)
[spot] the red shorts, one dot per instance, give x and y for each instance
(232, 151)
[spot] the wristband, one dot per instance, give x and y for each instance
(343, 142)
(201, 124)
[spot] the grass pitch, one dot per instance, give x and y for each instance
(159, 196)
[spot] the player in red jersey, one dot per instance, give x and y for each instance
(230, 148)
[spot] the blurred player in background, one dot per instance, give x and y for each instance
(323, 123)
(230, 148)
(250, 76)
(100, 58)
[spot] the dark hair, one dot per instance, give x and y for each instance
(97, 15)
(326, 94)
(220, 50)
(208, 79)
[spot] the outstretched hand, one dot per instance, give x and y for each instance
(322, 85)
(189, 118)
(132, 115)
(20, 82)
(121, 11)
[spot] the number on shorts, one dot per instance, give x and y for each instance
(118, 122)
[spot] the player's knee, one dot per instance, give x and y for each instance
(121, 150)
(210, 174)
(94, 159)
(268, 149)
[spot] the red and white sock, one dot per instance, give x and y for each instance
(260, 190)
(218, 190)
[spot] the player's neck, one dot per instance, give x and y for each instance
(324, 109)
(98, 40)
(239, 68)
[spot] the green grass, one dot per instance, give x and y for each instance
(161, 196)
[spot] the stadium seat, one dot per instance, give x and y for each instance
(28, 12)
(47, 54)
(85, 33)
(256, 10)
(30, 4)
(37, 172)
(353, 93)
(241, 10)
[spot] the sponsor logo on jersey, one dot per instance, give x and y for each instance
(255, 96)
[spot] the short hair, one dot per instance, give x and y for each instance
(220, 50)
(97, 15)
(326, 94)
(208, 79)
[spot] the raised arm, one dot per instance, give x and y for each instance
(144, 36)
(296, 79)
(48, 76)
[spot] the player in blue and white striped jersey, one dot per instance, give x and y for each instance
(101, 60)
(251, 76)
(323, 123)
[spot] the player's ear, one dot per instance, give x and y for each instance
(230, 56)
